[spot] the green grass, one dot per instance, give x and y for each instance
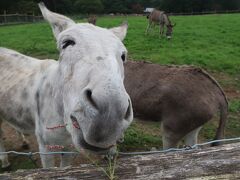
(31, 39)
(234, 106)
(210, 41)
(142, 136)
(20, 162)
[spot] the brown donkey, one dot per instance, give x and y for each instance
(92, 19)
(160, 18)
(183, 98)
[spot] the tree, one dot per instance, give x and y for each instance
(26, 7)
(115, 6)
(86, 6)
(137, 8)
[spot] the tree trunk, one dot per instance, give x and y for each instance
(222, 162)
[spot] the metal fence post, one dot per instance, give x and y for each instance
(18, 18)
(33, 17)
(5, 17)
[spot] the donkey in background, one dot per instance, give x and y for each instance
(160, 18)
(92, 19)
(182, 98)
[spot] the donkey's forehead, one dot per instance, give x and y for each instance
(89, 32)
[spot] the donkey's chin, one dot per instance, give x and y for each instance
(95, 149)
(81, 143)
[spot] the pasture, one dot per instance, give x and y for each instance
(211, 42)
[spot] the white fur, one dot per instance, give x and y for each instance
(58, 91)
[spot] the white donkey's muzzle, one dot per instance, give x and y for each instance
(107, 111)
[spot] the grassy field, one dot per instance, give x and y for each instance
(210, 41)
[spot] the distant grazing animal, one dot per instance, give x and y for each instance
(79, 100)
(160, 18)
(182, 98)
(92, 20)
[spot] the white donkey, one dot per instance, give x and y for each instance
(79, 99)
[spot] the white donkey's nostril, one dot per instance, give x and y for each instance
(128, 114)
(75, 122)
(89, 98)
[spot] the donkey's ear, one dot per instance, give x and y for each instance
(58, 22)
(120, 31)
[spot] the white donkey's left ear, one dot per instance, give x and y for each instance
(58, 22)
(120, 31)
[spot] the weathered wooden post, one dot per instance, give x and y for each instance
(221, 162)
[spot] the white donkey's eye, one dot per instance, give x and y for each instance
(67, 43)
(123, 57)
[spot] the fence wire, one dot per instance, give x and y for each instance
(19, 18)
(180, 149)
(30, 154)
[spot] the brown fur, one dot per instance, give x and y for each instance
(92, 20)
(183, 98)
(160, 18)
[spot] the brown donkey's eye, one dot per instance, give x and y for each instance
(68, 43)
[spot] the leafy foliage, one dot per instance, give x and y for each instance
(116, 6)
(86, 6)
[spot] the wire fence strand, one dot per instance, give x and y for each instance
(30, 154)
(180, 149)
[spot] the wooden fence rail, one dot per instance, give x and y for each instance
(222, 162)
